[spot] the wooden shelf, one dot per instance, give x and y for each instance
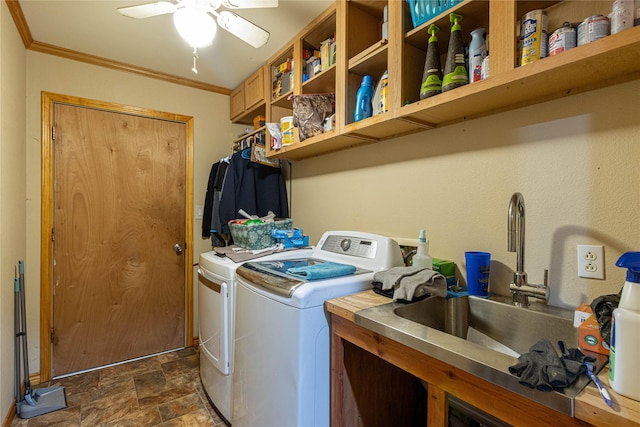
(605, 62)
(248, 134)
(324, 82)
(601, 63)
(283, 100)
(361, 51)
(320, 144)
(375, 56)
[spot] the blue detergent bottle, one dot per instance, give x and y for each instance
(364, 96)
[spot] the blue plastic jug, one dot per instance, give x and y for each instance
(364, 107)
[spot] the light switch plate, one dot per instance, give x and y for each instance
(199, 211)
(591, 261)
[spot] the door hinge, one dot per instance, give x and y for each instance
(53, 235)
(53, 133)
(52, 335)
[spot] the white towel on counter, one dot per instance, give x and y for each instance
(412, 282)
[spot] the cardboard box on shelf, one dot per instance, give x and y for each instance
(589, 337)
(258, 121)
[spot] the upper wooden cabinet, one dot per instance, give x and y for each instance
(291, 72)
(236, 102)
(247, 100)
(254, 89)
(362, 49)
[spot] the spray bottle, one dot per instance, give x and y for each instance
(432, 75)
(624, 375)
(455, 69)
(422, 258)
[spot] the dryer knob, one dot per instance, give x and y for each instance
(345, 244)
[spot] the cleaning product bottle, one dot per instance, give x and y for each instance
(364, 96)
(477, 53)
(380, 97)
(455, 69)
(624, 375)
(432, 74)
(422, 258)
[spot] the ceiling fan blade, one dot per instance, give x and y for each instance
(148, 10)
(243, 29)
(249, 4)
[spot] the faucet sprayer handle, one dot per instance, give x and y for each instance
(541, 292)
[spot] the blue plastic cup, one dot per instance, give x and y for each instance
(478, 272)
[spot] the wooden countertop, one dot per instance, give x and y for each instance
(589, 406)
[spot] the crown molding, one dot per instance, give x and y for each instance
(36, 46)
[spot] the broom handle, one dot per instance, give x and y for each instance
(27, 382)
(16, 288)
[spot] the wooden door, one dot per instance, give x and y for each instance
(118, 211)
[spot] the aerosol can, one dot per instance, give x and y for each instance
(624, 373)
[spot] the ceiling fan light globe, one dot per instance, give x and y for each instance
(196, 27)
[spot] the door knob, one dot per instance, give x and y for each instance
(178, 248)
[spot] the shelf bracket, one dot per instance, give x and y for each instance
(363, 137)
(419, 123)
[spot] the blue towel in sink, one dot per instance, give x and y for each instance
(324, 270)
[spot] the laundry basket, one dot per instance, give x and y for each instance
(257, 236)
(423, 10)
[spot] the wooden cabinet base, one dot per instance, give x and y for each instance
(374, 381)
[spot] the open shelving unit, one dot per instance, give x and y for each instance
(362, 50)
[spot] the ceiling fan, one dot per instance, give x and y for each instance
(193, 19)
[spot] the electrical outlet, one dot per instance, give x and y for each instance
(591, 261)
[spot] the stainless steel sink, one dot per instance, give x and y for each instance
(438, 327)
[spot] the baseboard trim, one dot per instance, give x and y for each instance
(8, 419)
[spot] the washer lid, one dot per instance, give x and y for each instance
(273, 276)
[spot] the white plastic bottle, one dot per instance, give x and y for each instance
(624, 373)
(422, 258)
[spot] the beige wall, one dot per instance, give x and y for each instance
(213, 134)
(12, 191)
(575, 161)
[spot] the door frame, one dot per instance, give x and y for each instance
(48, 100)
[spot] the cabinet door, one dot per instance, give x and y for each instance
(254, 89)
(236, 101)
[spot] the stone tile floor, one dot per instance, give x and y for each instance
(162, 390)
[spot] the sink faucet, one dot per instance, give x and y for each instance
(520, 288)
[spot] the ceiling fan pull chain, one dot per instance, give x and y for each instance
(195, 58)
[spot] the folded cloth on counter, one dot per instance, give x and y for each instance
(409, 283)
(542, 368)
(324, 270)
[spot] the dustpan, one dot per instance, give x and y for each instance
(42, 400)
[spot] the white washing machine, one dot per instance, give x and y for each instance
(281, 362)
(216, 310)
